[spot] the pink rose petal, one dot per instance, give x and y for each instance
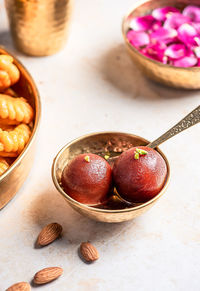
(197, 51)
(156, 25)
(161, 13)
(142, 23)
(155, 52)
(175, 20)
(165, 35)
(176, 51)
(138, 38)
(193, 12)
(198, 63)
(187, 34)
(196, 25)
(186, 62)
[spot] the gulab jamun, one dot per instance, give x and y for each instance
(87, 179)
(139, 174)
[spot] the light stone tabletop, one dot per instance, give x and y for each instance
(90, 86)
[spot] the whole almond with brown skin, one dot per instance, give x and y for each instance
(89, 252)
(47, 275)
(21, 286)
(49, 233)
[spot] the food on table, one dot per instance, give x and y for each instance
(15, 110)
(168, 35)
(9, 73)
(88, 252)
(139, 174)
(21, 286)
(87, 179)
(49, 233)
(16, 114)
(47, 275)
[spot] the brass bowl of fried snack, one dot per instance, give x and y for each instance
(19, 121)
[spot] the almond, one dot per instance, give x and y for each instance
(89, 252)
(49, 233)
(21, 286)
(47, 275)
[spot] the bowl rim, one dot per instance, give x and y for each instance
(99, 210)
(37, 115)
(133, 7)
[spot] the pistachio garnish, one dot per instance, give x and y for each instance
(139, 152)
(87, 159)
(106, 157)
(136, 156)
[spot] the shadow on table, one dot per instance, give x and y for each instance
(51, 207)
(118, 69)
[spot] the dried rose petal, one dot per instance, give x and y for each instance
(138, 38)
(142, 23)
(156, 25)
(161, 13)
(187, 34)
(176, 51)
(193, 12)
(185, 62)
(197, 51)
(155, 52)
(165, 35)
(196, 25)
(198, 63)
(175, 20)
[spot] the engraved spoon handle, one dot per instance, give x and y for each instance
(191, 119)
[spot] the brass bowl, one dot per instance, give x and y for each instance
(14, 177)
(101, 143)
(187, 78)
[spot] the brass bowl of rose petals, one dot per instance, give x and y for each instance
(19, 120)
(163, 40)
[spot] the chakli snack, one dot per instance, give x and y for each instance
(14, 110)
(16, 115)
(9, 73)
(13, 142)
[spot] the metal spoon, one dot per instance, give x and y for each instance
(189, 120)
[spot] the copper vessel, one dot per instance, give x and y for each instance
(187, 78)
(98, 143)
(14, 177)
(39, 28)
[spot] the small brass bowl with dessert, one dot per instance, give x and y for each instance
(82, 173)
(115, 176)
(19, 121)
(163, 40)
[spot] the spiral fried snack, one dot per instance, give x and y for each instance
(9, 73)
(14, 110)
(13, 142)
(3, 166)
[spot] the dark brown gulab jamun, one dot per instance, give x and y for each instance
(87, 179)
(139, 174)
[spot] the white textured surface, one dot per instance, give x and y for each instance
(91, 86)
